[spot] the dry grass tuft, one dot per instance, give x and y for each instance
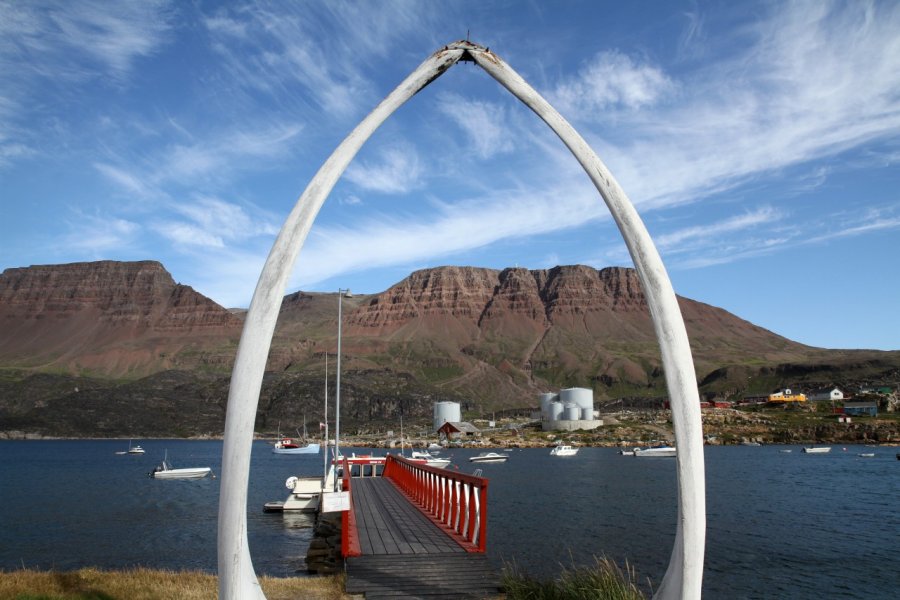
(149, 584)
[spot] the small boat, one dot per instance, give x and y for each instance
(485, 457)
(786, 451)
(431, 461)
(866, 454)
(659, 451)
(625, 452)
(165, 471)
(433, 447)
(562, 450)
(816, 449)
(131, 449)
(287, 446)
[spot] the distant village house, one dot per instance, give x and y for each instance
(785, 396)
(456, 430)
(824, 394)
(869, 409)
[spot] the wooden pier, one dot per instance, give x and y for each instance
(417, 532)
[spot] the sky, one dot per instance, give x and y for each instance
(759, 141)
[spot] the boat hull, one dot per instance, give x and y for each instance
(489, 458)
(198, 473)
(817, 450)
(655, 452)
(308, 449)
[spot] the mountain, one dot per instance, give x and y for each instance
(125, 336)
(109, 318)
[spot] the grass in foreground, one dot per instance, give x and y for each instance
(604, 581)
(149, 584)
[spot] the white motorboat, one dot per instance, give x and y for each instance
(486, 457)
(659, 451)
(866, 454)
(165, 471)
(431, 461)
(563, 450)
(131, 449)
(816, 449)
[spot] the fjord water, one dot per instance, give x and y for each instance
(779, 525)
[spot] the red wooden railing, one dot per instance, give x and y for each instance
(456, 501)
(349, 539)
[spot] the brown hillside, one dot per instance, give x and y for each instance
(112, 318)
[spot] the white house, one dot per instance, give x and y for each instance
(827, 394)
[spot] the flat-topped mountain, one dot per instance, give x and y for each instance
(108, 317)
(488, 338)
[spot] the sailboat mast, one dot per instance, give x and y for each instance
(325, 420)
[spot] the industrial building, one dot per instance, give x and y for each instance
(445, 412)
(569, 410)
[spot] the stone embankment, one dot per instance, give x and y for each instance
(324, 554)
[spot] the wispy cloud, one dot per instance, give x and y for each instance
(214, 223)
(690, 238)
(484, 123)
(811, 80)
(782, 235)
(611, 80)
(96, 234)
(457, 228)
(272, 47)
(213, 159)
(398, 171)
(41, 37)
(45, 46)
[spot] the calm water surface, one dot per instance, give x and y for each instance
(779, 525)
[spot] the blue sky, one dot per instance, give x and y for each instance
(759, 141)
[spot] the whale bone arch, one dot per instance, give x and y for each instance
(684, 575)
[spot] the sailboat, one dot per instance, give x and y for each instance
(288, 446)
(131, 449)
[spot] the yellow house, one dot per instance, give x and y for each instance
(786, 395)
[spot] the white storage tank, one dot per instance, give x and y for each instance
(556, 411)
(571, 412)
(587, 414)
(582, 397)
(546, 399)
(446, 411)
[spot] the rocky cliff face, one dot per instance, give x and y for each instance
(128, 313)
(474, 294)
(487, 338)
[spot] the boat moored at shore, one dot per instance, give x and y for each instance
(658, 452)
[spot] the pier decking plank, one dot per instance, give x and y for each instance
(452, 575)
(406, 555)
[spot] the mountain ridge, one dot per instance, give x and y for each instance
(489, 338)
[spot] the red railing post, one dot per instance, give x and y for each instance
(455, 501)
(349, 536)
